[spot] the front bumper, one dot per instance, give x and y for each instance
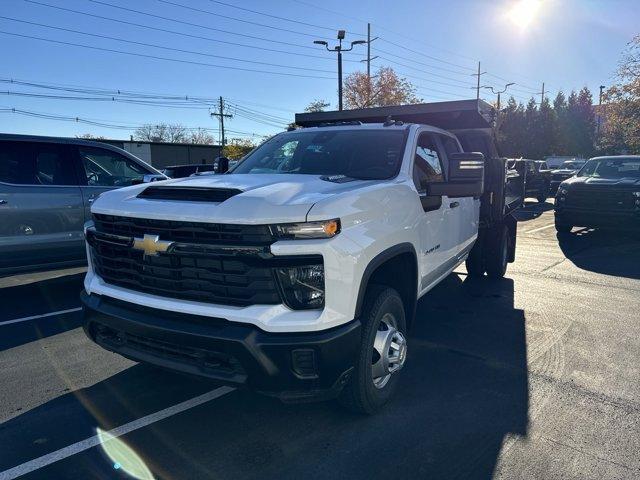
(598, 219)
(291, 366)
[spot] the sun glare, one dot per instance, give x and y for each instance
(523, 12)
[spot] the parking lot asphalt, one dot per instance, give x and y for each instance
(534, 376)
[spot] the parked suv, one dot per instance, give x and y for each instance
(181, 171)
(297, 273)
(567, 170)
(537, 178)
(605, 193)
(47, 186)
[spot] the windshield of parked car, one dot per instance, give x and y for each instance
(611, 168)
(362, 154)
(571, 165)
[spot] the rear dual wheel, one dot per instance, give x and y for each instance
(494, 260)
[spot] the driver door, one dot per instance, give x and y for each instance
(429, 167)
(102, 170)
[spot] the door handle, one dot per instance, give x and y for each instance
(3, 201)
(454, 204)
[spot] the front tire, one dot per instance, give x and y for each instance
(475, 261)
(542, 196)
(383, 351)
(563, 227)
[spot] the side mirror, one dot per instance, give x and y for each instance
(153, 177)
(466, 177)
(222, 165)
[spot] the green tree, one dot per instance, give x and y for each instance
(237, 148)
(530, 128)
(546, 130)
(510, 129)
(560, 145)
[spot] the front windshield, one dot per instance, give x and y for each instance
(362, 154)
(623, 167)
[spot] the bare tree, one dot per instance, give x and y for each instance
(317, 106)
(201, 136)
(162, 132)
(91, 136)
(384, 88)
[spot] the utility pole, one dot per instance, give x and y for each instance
(368, 60)
(479, 74)
(542, 94)
(221, 116)
(339, 50)
(602, 87)
(369, 57)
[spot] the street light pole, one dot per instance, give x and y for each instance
(498, 92)
(338, 49)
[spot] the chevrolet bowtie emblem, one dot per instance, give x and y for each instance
(151, 245)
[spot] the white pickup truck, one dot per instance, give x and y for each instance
(297, 273)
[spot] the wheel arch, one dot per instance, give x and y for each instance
(396, 267)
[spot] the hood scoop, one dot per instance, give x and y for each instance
(188, 194)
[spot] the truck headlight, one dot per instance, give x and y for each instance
(88, 225)
(306, 230)
(303, 286)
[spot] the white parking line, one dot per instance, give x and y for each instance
(91, 442)
(44, 315)
(540, 228)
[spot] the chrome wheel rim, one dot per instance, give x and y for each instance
(389, 351)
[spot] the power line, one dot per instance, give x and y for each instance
(97, 122)
(142, 95)
(426, 72)
(280, 18)
(157, 57)
(153, 45)
(165, 104)
(188, 35)
(430, 81)
(182, 22)
(208, 12)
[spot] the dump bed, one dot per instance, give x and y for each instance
(460, 114)
(471, 121)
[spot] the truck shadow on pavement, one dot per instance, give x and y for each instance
(463, 394)
(37, 298)
(603, 251)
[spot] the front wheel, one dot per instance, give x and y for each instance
(382, 354)
(563, 227)
(542, 196)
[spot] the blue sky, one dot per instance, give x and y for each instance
(435, 44)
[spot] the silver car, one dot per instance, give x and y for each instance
(47, 186)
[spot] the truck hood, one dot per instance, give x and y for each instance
(264, 198)
(623, 183)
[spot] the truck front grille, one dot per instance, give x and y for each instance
(214, 271)
(600, 199)
(196, 232)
